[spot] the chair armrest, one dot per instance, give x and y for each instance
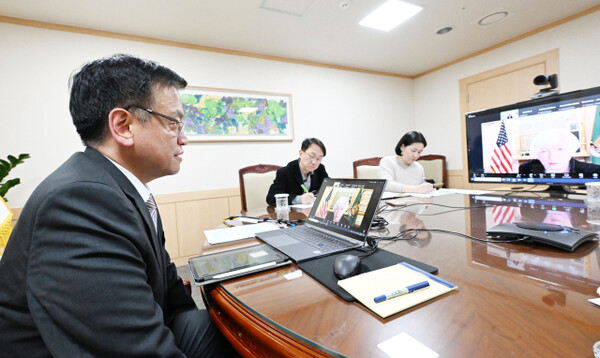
(187, 285)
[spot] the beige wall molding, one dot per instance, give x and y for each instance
(82, 30)
(116, 35)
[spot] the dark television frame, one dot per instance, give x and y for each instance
(556, 182)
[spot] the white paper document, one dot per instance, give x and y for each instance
(4, 211)
(228, 234)
(446, 191)
(393, 195)
(405, 346)
(301, 206)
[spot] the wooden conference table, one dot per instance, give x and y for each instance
(513, 300)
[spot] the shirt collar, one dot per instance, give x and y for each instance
(141, 188)
(304, 177)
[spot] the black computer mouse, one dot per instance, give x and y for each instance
(346, 265)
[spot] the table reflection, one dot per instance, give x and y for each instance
(578, 270)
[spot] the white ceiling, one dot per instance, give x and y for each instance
(322, 33)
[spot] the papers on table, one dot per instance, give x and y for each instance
(439, 192)
(301, 206)
(4, 211)
(446, 191)
(219, 236)
(596, 301)
(403, 345)
(387, 195)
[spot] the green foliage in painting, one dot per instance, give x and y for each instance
(230, 115)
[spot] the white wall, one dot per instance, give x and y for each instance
(441, 123)
(356, 115)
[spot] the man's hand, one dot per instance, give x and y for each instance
(308, 198)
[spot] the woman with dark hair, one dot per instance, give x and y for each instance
(403, 173)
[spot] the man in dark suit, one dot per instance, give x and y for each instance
(85, 272)
(307, 172)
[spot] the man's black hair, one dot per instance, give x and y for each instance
(309, 141)
(117, 81)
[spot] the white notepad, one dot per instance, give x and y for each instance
(367, 286)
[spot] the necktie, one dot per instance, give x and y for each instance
(151, 204)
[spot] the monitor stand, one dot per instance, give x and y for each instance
(553, 191)
(558, 191)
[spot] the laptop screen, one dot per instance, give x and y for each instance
(347, 206)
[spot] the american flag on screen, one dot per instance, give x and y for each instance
(324, 206)
(502, 157)
(503, 214)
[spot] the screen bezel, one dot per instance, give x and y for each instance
(357, 233)
(473, 120)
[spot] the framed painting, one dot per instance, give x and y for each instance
(212, 114)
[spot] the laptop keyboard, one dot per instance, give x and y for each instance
(317, 239)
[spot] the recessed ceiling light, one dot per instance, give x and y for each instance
(444, 30)
(344, 4)
(389, 15)
(492, 18)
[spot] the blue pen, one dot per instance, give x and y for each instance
(407, 289)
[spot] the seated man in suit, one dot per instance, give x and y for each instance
(307, 172)
(85, 272)
(554, 150)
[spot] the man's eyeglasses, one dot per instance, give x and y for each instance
(175, 124)
(314, 157)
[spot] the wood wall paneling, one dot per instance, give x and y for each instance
(193, 217)
(185, 216)
(235, 205)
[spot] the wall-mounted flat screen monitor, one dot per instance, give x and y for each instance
(553, 140)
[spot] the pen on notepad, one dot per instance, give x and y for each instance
(400, 292)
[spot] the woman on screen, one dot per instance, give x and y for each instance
(554, 150)
(402, 172)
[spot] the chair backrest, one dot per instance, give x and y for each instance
(367, 168)
(435, 168)
(255, 181)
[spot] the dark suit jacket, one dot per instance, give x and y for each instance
(575, 166)
(289, 178)
(84, 273)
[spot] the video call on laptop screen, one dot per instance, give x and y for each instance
(347, 205)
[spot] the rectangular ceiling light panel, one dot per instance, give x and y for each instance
(389, 15)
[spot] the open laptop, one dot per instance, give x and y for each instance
(339, 220)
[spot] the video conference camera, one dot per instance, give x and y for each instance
(543, 80)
